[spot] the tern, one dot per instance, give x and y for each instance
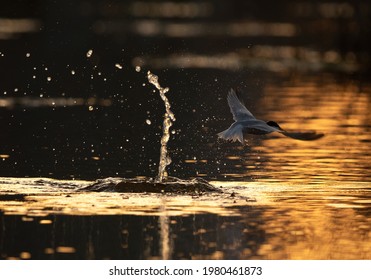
(246, 123)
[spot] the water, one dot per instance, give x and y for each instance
(165, 160)
(85, 114)
(256, 220)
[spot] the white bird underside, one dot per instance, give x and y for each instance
(245, 122)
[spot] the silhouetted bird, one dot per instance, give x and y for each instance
(246, 123)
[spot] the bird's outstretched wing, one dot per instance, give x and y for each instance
(238, 110)
(306, 136)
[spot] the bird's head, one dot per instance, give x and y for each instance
(274, 124)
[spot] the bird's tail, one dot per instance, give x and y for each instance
(234, 133)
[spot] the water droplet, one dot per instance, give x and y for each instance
(73, 72)
(89, 53)
(91, 108)
(49, 79)
(118, 66)
(148, 121)
(28, 54)
(137, 68)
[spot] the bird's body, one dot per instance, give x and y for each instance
(246, 123)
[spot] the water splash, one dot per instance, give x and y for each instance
(169, 117)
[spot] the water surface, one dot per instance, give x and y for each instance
(248, 221)
(75, 106)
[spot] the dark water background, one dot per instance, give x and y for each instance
(64, 115)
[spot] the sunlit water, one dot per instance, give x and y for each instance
(284, 199)
(90, 114)
(249, 221)
(340, 111)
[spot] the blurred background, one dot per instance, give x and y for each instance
(75, 101)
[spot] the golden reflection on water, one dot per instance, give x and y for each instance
(306, 221)
(281, 216)
(341, 112)
(256, 220)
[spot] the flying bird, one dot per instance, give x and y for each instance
(246, 123)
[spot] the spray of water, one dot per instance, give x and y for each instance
(169, 117)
